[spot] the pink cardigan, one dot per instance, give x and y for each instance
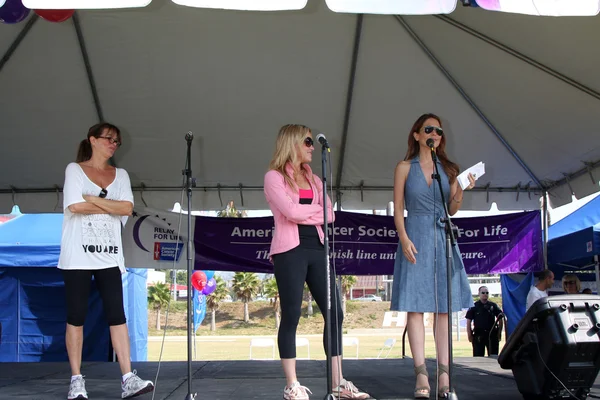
(288, 213)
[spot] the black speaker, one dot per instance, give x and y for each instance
(558, 339)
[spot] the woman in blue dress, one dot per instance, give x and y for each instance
(420, 275)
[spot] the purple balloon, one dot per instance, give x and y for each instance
(210, 287)
(13, 11)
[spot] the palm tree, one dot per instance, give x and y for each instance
(272, 292)
(245, 285)
(347, 282)
(158, 297)
(214, 299)
(231, 212)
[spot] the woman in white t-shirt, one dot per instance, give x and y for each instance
(97, 199)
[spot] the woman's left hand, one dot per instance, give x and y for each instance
(89, 198)
(471, 182)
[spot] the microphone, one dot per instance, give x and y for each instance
(321, 138)
(189, 136)
(430, 143)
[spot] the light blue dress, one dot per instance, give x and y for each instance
(422, 287)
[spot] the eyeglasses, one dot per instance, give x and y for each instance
(437, 129)
(308, 142)
(103, 193)
(570, 282)
(485, 292)
(111, 140)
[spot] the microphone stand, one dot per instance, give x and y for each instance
(450, 242)
(189, 184)
(329, 395)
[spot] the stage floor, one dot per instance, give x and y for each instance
(474, 379)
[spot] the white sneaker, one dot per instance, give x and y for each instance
(347, 390)
(296, 392)
(77, 389)
(135, 386)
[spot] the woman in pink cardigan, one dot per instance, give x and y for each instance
(295, 197)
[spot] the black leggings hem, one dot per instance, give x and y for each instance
(77, 291)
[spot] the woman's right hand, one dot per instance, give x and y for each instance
(409, 250)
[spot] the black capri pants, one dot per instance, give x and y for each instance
(77, 288)
(305, 263)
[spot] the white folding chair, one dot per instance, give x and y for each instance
(301, 342)
(389, 345)
(267, 342)
(350, 341)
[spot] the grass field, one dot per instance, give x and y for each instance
(238, 348)
(231, 340)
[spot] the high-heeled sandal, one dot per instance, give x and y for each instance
(422, 392)
(442, 391)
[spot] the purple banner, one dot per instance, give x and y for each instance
(363, 244)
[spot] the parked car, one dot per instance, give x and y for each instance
(368, 297)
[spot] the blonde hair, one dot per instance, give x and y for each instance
(571, 277)
(288, 139)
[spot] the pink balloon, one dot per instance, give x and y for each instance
(199, 280)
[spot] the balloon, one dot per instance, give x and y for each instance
(210, 287)
(13, 11)
(199, 280)
(55, 15)
(209, 274)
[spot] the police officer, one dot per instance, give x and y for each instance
(484, 325)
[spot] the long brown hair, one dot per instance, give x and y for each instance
(84, 152)
(451, 169)
(288, 138)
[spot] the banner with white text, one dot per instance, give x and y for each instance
(363, 244)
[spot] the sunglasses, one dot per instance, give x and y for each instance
(103, 193)
(570, 283)
(485, 292)
(430, 129)
(111, 140)
(308, 142)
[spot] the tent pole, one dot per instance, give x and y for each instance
(348, 108)
(541, 66)
(545, 219)
(15, 44)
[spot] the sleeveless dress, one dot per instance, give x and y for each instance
(422, 287)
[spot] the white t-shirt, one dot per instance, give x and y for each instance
(92, 241)
(534, 295)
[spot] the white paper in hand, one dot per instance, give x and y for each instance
(476, 170)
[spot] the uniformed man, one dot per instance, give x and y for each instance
(484, 325)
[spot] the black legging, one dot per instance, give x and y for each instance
(77, 288)
(292, 269)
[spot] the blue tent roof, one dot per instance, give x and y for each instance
(580, 245)
(585, 217)
(31, 240)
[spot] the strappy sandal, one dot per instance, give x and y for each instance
(442, 391)
(422, 392)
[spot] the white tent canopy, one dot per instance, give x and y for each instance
(518, 92)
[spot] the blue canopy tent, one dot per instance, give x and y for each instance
(574, 244)
(584, 217)
(573, 247)
(576, 253)
(32, 299)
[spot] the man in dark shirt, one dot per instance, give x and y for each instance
(484, 326)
